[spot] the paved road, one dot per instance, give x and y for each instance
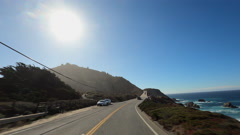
(116, 119)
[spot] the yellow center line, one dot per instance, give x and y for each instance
(94, 129)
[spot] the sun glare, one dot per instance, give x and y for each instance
(65, 25)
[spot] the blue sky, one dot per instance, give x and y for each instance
(175, 46)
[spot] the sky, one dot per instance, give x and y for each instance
(175, 46)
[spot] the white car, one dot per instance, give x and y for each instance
(102, 103)
(108, 101)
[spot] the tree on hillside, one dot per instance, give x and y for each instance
(29, 83)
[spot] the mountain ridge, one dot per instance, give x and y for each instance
(96, 81)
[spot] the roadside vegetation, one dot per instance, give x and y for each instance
(32, 84)
(9, 109)
(188, 121)
(113, 97)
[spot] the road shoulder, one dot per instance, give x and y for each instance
(153, 124)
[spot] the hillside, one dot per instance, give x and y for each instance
(99, 82)
(154, 92)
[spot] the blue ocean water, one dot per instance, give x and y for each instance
(214, 101)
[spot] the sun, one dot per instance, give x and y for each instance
(65, 25)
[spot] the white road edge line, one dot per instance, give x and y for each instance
(155, 133)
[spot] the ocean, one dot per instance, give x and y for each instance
(214, 101)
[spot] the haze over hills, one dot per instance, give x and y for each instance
(99, 82)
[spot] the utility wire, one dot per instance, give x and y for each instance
(44, 65)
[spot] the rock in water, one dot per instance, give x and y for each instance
(230, 105)
(201, 100)
(192, 105)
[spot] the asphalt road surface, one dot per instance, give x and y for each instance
(122, 118)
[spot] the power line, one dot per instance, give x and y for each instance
(45, 65)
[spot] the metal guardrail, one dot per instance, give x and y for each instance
(22, 117)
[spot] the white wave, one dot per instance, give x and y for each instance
(207, 102)
(228, 111)
(184, 101)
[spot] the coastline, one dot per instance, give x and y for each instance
(214, 101)
(186, 120)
